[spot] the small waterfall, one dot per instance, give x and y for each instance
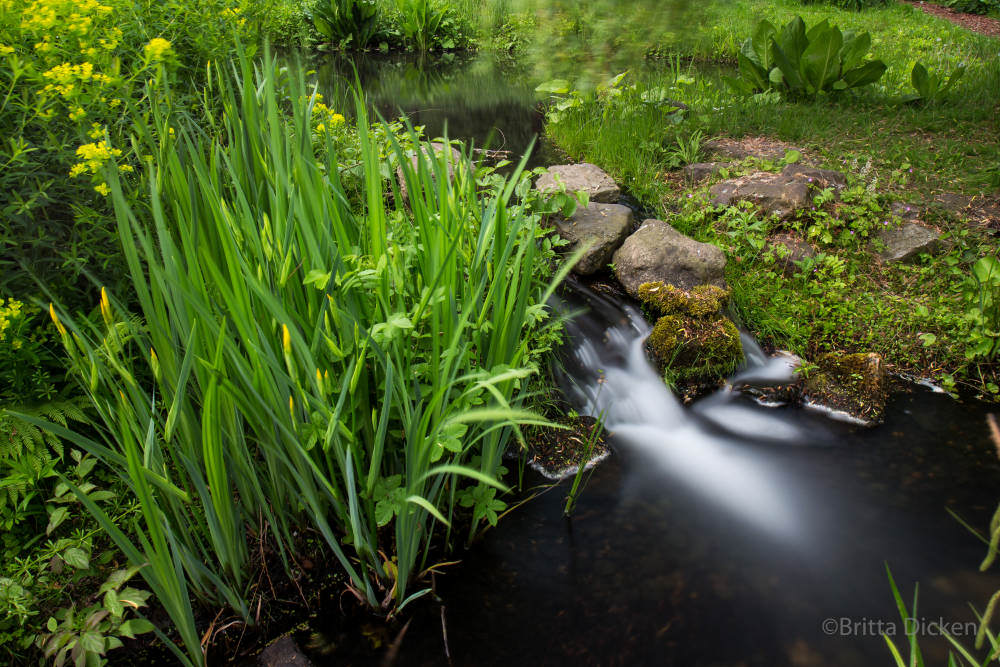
(713, 447)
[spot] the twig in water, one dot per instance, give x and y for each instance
(991, 419)
(444, 636)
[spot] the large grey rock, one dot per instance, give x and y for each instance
(584, 177)
(788, 250)
(696, 172)
(908, 241)
(777, 194)
(603, 226)
(658, 252)
(438, 149)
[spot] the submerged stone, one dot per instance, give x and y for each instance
(692, 341)
(283, 653)
(582, 177)
(657, 252)
(602, 226)
(855, 384)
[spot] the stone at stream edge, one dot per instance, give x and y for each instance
(658, 252)
(777, 194)
(283, 653)
(789, 249)
(855, 384)
(604, 226)
(439, 149)
(583, 177)
(908, 241)
(692, 340)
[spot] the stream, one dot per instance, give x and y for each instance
(719, 533)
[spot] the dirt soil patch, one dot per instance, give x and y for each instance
(984, 25)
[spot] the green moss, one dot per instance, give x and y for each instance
(687, 348)
(852, 383)
(701, 301)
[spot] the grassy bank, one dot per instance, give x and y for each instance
(922, 317)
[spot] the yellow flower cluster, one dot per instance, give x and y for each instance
(72, 16)
(323, 117)
(157, 50)
(8, 314)
(66, 77)
(93, 157)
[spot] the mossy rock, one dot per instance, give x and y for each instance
(692, 341)
(701, 301)
(856, 384)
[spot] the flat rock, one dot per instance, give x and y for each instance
(283, 653)
(789, 249)
(658, 252)
(904, 211)
(855, 385)
(819, 178)
(603, 226)
(773, 194)
(583, 177)
(740, 149)
(777, 194)
(908, 241)
(439, 149)
(696, 172)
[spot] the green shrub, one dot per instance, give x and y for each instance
(70, 71)
(803, 63)
(347, 23)
(974, 6)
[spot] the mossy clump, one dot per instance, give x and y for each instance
(856, 384)
(700, 301)
(692, 341)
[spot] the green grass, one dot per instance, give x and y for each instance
(889, 150)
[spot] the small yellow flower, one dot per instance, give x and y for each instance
(6, 50)
(105, 305)
(102, 189)
(286, 339)
(157, 49)
(337, 119)
(55, 319)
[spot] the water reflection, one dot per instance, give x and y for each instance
(478, 99)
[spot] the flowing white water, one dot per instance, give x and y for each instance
(712, 448)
